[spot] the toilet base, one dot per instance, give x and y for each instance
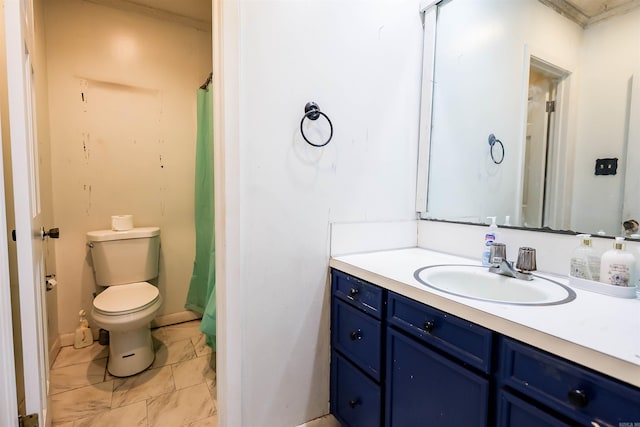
(130, 352)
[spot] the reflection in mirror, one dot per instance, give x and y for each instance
(558, 94)
(541, 169)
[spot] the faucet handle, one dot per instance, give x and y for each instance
(526, 259)
(497, 253)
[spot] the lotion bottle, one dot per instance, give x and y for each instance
(585, 262)
(490, 237)
(618, 265)
(83, 337)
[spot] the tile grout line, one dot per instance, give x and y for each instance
(166, 335)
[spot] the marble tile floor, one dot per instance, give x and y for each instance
(177, 390)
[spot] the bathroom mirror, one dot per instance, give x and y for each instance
(527, 106)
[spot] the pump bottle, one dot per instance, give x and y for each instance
(83, 337)
(490, 237)
(618, 265)
(585, 262)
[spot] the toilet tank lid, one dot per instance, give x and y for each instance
(134, 233)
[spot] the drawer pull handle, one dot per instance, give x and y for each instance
(354, 402)
(353, 292)
(356, 335)
(429, 326)
(578, 398)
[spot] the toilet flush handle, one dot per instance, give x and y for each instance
(54, 233)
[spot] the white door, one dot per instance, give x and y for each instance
(24, 159)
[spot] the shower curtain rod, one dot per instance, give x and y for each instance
(206, 83)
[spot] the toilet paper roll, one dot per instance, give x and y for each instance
(121, 222)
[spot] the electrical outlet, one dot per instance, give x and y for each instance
(606, 166)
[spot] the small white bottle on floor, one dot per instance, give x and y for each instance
(618, 266)
(83, 337)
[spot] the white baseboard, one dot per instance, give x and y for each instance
(324, 421)
(65, 340)
(174, 318)
(53, 350)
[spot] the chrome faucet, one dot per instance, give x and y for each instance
(525, 264)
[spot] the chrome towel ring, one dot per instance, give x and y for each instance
(493, 141)
(312, 112)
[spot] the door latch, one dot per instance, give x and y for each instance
(30, 420)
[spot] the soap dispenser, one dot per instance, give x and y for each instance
(618, 266)
(83, 337)
(585, 262)
(490, 237)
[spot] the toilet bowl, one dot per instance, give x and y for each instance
(126, 312)
(122, 262)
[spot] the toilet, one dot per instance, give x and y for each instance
(123, 261)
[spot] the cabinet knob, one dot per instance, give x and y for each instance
(354, 402)
(356, 335)
(353, 292)
(578, 398)
(429, 326)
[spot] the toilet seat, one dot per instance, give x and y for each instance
(126, 299)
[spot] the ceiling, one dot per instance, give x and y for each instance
(588, 12)
(194, 9)
(194, 13)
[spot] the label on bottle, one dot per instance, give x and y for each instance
(579, 268)
(618, 274)
(489, 238)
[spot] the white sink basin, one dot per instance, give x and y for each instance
(476, 282)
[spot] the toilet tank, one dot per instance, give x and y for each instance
(121, 257)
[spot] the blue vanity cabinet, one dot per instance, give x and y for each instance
(356, 351)
(396, 362)
(437, 368)
(575, 393)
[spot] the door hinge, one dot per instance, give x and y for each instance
(30, 420)
(551, 106)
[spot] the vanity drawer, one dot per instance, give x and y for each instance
(461, 339)
(357, 292)
(358, 336)
(355, 399)
(587, 397)
(515, 412)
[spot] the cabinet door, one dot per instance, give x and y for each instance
(355, 398)
(515, 412)
(427, 389)
(358, 336)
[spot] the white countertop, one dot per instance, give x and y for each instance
(594, 330)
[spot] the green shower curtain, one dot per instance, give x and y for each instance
(202, 289)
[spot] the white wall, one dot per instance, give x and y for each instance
(609, 57)
(360, 61)
(480, 72)
(129, 146)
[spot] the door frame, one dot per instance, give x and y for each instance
(229, 303)
(8, 390)
(561, 167)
